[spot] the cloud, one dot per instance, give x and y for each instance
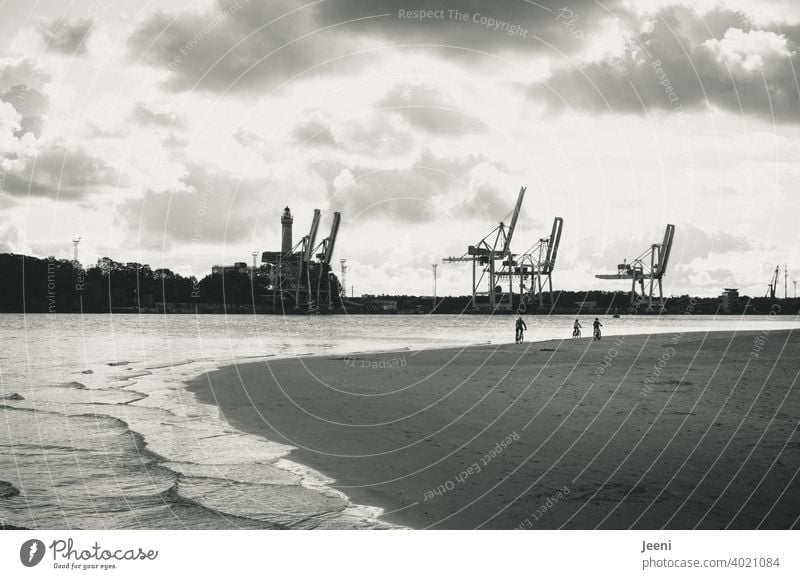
(243, 45)
(16, 71)
(669, 68)
(478, 26)
(32, 106)
(59, 172)
(748, 52)
(10, 123)
(66, 37)
(238, 45)
(432, 187)
(392, 194)
(314, 131)
(158, 115)
(22, 83)
(211, 208)
(429, 109)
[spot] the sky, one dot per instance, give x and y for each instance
(174, 133)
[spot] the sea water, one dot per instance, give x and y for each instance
(97, 430)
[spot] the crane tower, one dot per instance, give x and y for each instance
(650, 265)
(484, 256)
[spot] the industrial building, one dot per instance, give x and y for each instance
(238, 267)
(299, 277)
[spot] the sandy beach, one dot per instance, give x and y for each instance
(693, 430)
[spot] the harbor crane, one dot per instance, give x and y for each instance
(538, 263)
(650, 265)
(325, 256)
(484, 256)
(772, 288)
(302, 274)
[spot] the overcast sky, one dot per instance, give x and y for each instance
(175, 133)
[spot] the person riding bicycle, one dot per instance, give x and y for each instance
(597, 325)
(521, 327)
(576, 329)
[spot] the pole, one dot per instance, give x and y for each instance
(785, 281)
(434, 265)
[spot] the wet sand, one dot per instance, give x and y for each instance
(698, 430)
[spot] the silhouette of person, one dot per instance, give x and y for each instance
(597, 325)
(521, 327)
(576, 329)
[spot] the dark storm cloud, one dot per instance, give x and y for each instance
(60, 173)
(240, 45)
(477, 25)
(66, 37)
(429, 109)
(680, 66)
(215, 207)
(249, 45)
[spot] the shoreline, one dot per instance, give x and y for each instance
(412, 436)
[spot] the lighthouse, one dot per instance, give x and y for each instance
(286, 235)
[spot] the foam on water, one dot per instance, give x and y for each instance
(184, 454)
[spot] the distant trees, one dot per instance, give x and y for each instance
(30, 284)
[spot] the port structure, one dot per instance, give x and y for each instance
(492, 261)
(300, 276)
(772, 288)
(537, 264)
(650, 266)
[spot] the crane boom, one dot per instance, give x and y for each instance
(666, 248)
(332, 237)
(312, 235)
(552, 246)
(513, 225)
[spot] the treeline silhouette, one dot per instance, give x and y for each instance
(30, 284)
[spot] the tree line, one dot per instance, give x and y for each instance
(31, 284)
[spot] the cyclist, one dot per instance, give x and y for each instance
(597, 325)
(521, 327)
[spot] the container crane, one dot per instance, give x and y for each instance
(484, 255)
(538, 262)
(650, 265)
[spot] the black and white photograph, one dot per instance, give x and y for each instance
(262, 261)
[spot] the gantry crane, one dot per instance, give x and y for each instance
(484, 255)
(538, 263)
(650, 265)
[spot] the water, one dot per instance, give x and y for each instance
(107, 437)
